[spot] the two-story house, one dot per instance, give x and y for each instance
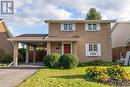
(88, 39)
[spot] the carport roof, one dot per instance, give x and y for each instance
(41, 38)
(33, 35)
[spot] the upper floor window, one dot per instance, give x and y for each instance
(67, 27)
(92, 27)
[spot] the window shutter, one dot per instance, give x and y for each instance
(62, 27)
(98, 27)
(86, 27)
(87, 50)
(73, 26)
(99, 49)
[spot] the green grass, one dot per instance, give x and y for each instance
(61, 78)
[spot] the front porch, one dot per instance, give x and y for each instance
(49, 46)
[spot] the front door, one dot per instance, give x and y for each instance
(67, 48)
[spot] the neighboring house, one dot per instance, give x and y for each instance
(120, 40)
(6, 45)
(88, 39)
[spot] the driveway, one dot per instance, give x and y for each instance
(13, 77)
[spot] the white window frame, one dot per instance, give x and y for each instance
(92, 25)
(63, 27)
(90, 51)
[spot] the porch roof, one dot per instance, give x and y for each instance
(40, 38)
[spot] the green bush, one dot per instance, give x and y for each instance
(22, 55)
(2, 53)
(5, 58)
(68, 61)
(99, 63)
(51, 61)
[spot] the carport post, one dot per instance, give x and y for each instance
(15, 54)
(34, 54)
(27, 54)
(75, 48)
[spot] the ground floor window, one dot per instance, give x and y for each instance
(93, 49)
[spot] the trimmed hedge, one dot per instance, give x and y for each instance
(68, 61)
(51, 61)
(99, 63)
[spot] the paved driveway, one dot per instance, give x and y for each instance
(13, 77)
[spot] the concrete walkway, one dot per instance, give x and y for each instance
(11, 77)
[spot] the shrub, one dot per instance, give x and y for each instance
(2, 53)
(22, 54)
(7, 58)
(51, 61)
(117, 73)
(68, 61)
(99, 63)
(95, 73)
(103, 78)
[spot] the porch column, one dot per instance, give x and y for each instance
(62, 47)
(34, 55)
(75, 48)
(15, 54)
(48, 48)
(27, 54)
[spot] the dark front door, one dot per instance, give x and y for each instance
(67, 48)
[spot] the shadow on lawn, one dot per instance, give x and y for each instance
(70, 77)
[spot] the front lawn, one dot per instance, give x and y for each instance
(60, 78)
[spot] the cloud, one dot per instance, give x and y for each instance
(31, 13)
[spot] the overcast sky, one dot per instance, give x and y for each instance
(30, 14)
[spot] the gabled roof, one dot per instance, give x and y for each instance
(120, 34)
(80, 21)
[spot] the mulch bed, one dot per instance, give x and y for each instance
(118, 83)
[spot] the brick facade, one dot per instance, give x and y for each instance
(103, 37)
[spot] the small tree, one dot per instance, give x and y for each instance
(93, 15)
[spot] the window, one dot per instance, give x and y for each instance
(67, 27)
(92, 47)
(92, 27)
(93, 50)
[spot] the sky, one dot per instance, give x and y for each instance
(30, 14)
